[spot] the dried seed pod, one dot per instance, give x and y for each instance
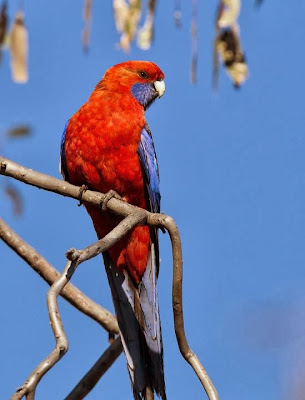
(21, 130)
(227, 44)
(229, 50)
(3, 22)
(127, 16)
(229, 12)
(86, 30)
(16, 199)
(18, 45)
(145, 34)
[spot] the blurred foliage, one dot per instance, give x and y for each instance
(16, 199)
(194, 41)
(145, 35)
(15, 40)
(127, 16)
(3, 25)
(18, 47)
(134, 20)
(10, 189)
(87, 13)
(227, 45)
(177, 13)
(19, 130)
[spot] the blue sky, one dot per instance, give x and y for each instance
(232, 176)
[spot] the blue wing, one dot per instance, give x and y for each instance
(62, 161)
(136, 306)
(149, 163)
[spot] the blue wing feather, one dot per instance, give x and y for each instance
(149, 163)
(148, 285)
(62, 161)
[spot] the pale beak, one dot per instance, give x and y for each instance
(160, 87)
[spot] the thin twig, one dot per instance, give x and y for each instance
(43, 181)
(87, 14)
(71, 293)
(61, 347)
(194, 28)
(169, 224)
(75, 258)
(87, 383)
(136, 218)
(119, 207)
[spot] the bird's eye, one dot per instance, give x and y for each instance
(143, 74)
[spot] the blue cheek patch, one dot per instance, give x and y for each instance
(143, 92)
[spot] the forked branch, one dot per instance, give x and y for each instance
(61, 347)
(87, 383)
(71, 293)
(135, 216)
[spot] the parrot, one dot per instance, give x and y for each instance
(107, 146)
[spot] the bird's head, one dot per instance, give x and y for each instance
(143, 79)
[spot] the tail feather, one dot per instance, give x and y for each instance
(152, 326)
(137, 312)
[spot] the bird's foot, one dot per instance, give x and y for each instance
(82, 190)
(109, 195)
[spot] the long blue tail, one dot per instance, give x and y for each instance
(137, 311)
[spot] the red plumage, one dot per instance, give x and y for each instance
(105, 149)
(101, 144)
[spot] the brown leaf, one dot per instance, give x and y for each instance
(16, 199)
(19, 131)
(194, 42)
(229, 49)
(3, 22)
(19, 49)
(87, 17)
(227, 43)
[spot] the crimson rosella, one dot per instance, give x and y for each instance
(107, 145)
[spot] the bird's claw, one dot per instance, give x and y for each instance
(109, 195)
(82, 190)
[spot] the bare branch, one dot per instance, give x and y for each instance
(61, 347)
(43, 181)
(121, 208)
(71, 293)
(136, 218)
(87, 383)
(170, 225)
(75, 257)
